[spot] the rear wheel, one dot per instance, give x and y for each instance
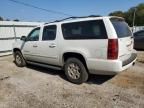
(75, 71)
(19, 60)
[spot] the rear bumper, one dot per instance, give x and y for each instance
(110, 67)
(129, 60)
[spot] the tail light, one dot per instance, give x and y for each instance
(112, 49)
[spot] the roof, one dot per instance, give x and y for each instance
(74, 19)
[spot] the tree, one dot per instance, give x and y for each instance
(16, 20)
(140, 15)
(129, 15)
(118, 13)
(1, 19)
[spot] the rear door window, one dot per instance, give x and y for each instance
(49, 33)
(121, 27)
(84, 30)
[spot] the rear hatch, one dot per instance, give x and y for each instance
(125, 38)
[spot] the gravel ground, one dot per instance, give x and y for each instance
(141, 56)
(36, 87)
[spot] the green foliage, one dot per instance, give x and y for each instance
(17, 20)
(1, 19)
(128, 15)
(118, 13)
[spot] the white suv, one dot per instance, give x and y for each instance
(80, 46)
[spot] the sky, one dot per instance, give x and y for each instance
(11, 10)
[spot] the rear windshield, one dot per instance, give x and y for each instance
(84, 30)
(121, 28)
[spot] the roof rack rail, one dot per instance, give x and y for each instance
(73, 18)
(61, 20)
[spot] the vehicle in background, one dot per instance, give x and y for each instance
(139, 40)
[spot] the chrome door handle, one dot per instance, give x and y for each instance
(52, 45)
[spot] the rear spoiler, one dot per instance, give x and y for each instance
(116, 17)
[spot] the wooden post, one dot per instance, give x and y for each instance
(14, 32)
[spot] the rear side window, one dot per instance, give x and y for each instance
(49, 33)
(84, 30)
(121, 28)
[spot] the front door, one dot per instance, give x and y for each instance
(30, 46)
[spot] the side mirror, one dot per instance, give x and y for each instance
(23, 38)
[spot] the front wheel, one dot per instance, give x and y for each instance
(19, 60)
(75, 71)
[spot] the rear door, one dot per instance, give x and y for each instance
(125, 37)
(48, 48)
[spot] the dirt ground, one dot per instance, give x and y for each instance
(36, 87)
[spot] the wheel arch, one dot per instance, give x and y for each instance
(79, 56)
(16, 49)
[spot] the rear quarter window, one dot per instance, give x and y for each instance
(121, 27)
(84, 30)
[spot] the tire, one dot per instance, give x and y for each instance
(75, 71)
(19, 60)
